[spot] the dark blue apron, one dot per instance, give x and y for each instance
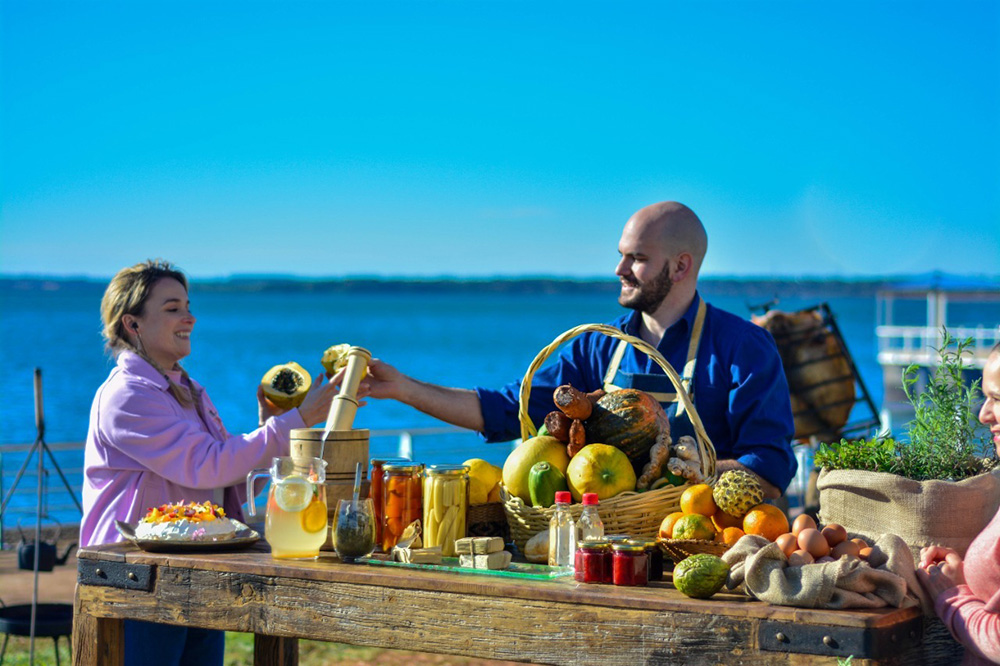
(660, 386)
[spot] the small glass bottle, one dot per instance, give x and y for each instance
(590, 526)
(629, 564)
(562, 533)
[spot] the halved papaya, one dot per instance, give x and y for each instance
(286, 385)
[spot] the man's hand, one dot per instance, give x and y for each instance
(384, 381)
(770, 491)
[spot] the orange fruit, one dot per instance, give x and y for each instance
(765, 520)
(694, 526)
(667, 526)
(722, 520)
(731, 535)
(314, 517)
(698, 499)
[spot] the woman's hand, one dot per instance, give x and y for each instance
(934, 554)
(942, 575)
(265, 408)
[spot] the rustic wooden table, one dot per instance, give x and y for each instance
(551, 622)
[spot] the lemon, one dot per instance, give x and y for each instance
(601, 469)
(518, 464)
(314, 517)
(482, 478)
(293, 493)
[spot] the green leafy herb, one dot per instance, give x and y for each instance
(944, 440)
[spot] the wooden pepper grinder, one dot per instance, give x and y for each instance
(345, 405)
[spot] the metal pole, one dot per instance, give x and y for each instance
(40, 424)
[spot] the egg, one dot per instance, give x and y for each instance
(812, 540)
(800, 558)
(861, 542)
(835, 534)
(787, 543)
(804, 521)
(848, 548)
(864, 553)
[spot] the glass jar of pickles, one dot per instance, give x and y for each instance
(629, 564)
(446, 502)
(376, 493)
(401, 499)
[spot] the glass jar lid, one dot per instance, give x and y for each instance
(628, 547)
(403, 466)
(595, 544)
(616, 538)
(447, 470)
(381, 461)
(648, 544)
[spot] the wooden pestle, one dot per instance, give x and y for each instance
(345, 405)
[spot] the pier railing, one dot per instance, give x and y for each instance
(903, 345)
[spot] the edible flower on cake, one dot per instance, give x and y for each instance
(186, 521)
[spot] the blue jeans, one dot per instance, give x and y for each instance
(150, 644)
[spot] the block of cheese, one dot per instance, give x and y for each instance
(466, 560)
(498, 560)
(464, 546)
(486, 545)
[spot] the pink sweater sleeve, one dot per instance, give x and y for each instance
(973, 622)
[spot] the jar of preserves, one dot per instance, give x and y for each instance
(376, 493)
(654, 558)
(401, 499)
(629, 564)
(446, 504)
(593, 562)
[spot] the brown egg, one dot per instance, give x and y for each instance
(824, 559)
(848, 548)
(800, 558)
(802, 522)
(835, 534)
(864, 553)
(787, 543)
(861, 542)
(812, 540)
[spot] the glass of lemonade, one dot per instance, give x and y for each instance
(296, 521)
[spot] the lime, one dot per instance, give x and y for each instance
(293, 493)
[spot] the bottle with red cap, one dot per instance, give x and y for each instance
(590, 526)
(562, 533)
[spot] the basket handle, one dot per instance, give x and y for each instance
(528, 429)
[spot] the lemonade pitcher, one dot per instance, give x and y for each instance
(296, 522)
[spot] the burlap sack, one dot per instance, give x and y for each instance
(887, 579)
(944, 513)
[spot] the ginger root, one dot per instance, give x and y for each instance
(572, 402)
(658, 455)
(577, 438)
(687, 449)
(558, 425)
(687, 469)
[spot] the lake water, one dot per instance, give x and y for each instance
(461, 337)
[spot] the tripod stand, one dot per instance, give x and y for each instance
(39, 447)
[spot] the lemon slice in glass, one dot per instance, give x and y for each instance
(314, 517)
(293, 494)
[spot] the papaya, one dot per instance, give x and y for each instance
(286, 385)
(544, 481)
(335, 358)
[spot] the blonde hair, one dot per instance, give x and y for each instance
(127, 294)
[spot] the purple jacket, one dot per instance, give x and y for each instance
(145, 449)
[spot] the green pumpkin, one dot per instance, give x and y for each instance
(627, 420)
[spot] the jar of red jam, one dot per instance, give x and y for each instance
(629, 564)
(593, 562)
(654, 558)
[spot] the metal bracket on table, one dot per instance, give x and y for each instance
(871, 643)
(123, 575)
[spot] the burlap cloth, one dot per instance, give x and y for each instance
(760, 568)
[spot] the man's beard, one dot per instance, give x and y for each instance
(647, 297)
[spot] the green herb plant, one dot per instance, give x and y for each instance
(944, 440)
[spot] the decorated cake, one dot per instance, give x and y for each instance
(186, 521)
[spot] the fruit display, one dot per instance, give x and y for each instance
(484, 481)
(737, 492)
(601, 469)
(286, 385)
(700, 576)
(517, 467)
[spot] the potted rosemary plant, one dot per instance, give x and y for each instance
(939, 484)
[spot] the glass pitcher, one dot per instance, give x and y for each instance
(296, 521)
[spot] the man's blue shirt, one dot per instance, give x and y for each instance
(740, 390)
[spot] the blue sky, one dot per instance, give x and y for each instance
(497, 138)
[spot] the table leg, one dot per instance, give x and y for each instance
(97, 641)
(275, 651)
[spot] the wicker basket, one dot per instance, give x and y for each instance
(488, 520)
(678, 549)
(636, 514)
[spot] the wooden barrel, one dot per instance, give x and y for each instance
(342, 451)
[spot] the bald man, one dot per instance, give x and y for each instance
(730, 366)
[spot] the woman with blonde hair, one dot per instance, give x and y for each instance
(155, 437)
(966, 593)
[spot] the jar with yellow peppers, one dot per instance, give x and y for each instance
(401, 499)
(446, 501)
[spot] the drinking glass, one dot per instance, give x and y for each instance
(354, 529)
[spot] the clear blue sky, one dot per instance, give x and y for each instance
(497, 138)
